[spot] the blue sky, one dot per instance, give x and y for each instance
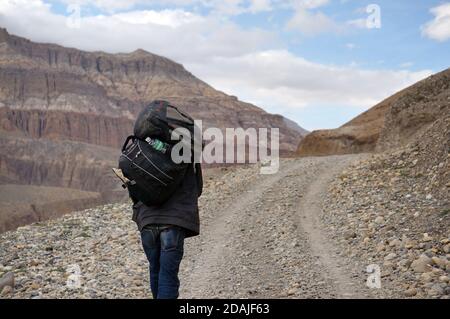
(317, 62)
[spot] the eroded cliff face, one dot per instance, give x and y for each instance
(58, 125)
(53, 78)
(58, 163)
(73, 168)
(64, 113)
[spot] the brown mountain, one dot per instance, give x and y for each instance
(395, 121)
(64, 113)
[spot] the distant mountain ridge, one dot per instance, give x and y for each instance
(64, 113)
(51, 78)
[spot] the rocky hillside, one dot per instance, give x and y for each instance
(64, 113)
(421, 108)
(391, 123)
(48, 91)
(393, 209)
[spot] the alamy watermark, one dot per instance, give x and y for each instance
(73, 20)
(374, 278)
(74, 276)
(236, 146)
(373, 21)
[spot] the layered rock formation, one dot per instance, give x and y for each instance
(54, 80)
(64, 113)
(58, 163)
(395, 121)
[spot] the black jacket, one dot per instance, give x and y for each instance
(180, 210)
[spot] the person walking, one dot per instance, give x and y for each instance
(163, 230)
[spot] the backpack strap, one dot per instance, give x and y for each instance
(129, 138)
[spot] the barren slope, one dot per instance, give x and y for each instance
(394, 122)
(64, 113)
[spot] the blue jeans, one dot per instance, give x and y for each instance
(164, 250)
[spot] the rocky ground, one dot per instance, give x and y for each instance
(393, 210)
(287, 235)
(260, 240)
(101, 241)
(377, 217)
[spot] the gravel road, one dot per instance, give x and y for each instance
(264, 239)
(261, 237)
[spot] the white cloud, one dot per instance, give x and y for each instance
(279, 78)
(226, 7)
(308, 21)
(309, 4)
(311, 23)
(439, 28)
(169, 18)
(237, 7)
(106, 5)
(218, 7)
(260, 6)
(248, 63)
(177, 34)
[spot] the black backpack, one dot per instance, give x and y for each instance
(159, 119)
(150, 174)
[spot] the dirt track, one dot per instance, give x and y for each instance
(264, 239)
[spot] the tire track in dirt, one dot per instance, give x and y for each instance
(322, 248)
(264, 239)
